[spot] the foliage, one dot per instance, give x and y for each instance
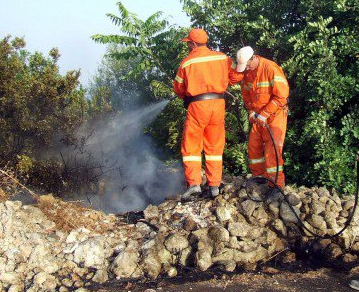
(316, 43)
(123, 93)
(40, 111)
(152, 47)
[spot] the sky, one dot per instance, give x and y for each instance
(69, 24)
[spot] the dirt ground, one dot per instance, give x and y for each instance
(266, 281)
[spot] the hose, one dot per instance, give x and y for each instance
(350, 218)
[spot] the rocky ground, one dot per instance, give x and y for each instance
(54, 246)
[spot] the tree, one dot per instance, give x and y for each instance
(40, 113)
(152, 47)
(316, 43)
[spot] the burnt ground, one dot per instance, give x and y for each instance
(305, 279)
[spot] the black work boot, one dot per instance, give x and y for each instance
(191, 191)
(214, 191)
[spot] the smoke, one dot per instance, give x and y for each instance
(136, 176)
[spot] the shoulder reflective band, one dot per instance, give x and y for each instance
(179, 79)
(265, 84)
(280, 79)
(192, 158)
(274, 169)
(203, 59)
(256, 161)
(213, 157)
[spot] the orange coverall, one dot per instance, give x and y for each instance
(204, 71)
(265, 91)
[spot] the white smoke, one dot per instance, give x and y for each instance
(138, 177)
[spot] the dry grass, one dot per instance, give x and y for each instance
(66, 215)
(3, 195)
(71, 215)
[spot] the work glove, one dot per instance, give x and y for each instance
(251, 117)
(260, 120)
(186, 102)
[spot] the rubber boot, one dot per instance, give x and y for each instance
(191, 191)
(214, 191)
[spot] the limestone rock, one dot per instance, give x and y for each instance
(91, 253)
(152, 265)
(287, 214)
(203, 260)
(100, 276)
(223, 213)
(176, 242)
(279, 227)
(125, 264)
(219, 234)
(151, 212)
(241, 229)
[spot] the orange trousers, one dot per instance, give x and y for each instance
(204, 130)
(261, 154)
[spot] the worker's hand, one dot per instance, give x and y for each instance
(252, 117)
(260, 120)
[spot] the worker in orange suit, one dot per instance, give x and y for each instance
(201, 81)
(265, 91)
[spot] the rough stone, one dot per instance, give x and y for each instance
(100, 276)
(125, 264)
(241, 229)
(151, 212)
(293, 199)
(279, 227)
(249, 206)
(203, 260)
(152, 265)
(287, 214)
(91, 253)
(176, 242)
(223, 213)
(219, 234)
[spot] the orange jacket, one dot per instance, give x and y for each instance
(265, 90)
(205, 71)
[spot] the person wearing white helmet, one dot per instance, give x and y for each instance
(265, 91)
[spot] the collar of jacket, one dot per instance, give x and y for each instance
(199, 49)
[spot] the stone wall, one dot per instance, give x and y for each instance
(230, 231)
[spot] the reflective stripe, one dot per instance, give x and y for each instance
(203, 59)
(265, 84)
(274, 169)
(233, 66)
(275, 103)
(256, 161)
(179, 79)
(192, 158)
(213, 157)
(280, 79)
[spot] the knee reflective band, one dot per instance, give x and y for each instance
(213, 157)
(192, 158)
